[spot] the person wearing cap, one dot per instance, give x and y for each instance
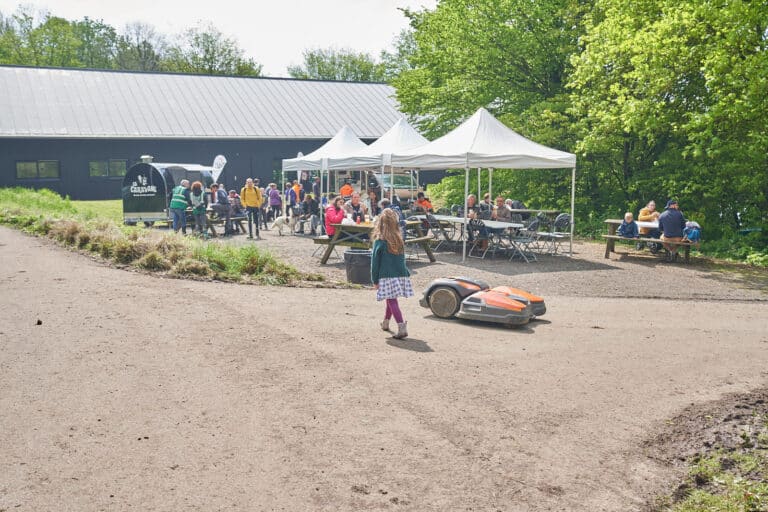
(671, 225)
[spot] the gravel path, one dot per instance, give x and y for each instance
(126, 391)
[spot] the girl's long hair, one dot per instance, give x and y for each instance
(197, 187)
(387, 228)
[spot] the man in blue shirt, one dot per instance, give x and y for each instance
(671, 225)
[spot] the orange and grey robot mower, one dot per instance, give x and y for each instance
(473, 299)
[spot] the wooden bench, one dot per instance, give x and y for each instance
(238, 220)
(612, 239)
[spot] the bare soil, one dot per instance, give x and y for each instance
(126, 391)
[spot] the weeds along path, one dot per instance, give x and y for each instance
(121, 390)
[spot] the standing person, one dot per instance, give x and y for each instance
(251, 198)
(290, 199)
(275, 202)
(199, 204)
(178, 206)
(316, 188)
(264, 210)
(220, 205)
(671, 225)
(334, 215)
(389, 274)
(297, 191)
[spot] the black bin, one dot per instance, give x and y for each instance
(358, 264)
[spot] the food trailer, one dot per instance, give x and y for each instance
(148, 186)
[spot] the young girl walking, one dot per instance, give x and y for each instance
(389, 274)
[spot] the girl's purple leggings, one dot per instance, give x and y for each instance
(393, 310)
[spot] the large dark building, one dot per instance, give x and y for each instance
(77, 131)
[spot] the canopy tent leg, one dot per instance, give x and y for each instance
(466, 204)
(479, 192)
(573, 211)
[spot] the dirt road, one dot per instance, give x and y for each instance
(142, 393)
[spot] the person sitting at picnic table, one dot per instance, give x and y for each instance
(649, 214)
(422, 204)
(472, 207)
(501, 212)
(235, 209)
(628, 228)
(346, 190)
(671, 225)
(519, 205)
(220, 205)
(310, 211)
(486, 205)
(372, 203)
(334, 214)
(355, 208)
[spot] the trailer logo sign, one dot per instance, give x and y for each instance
(139, 188)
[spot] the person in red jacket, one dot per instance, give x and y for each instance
(334, 215)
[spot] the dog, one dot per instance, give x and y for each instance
(283, 222)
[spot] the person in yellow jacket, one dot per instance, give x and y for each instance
(251, 199)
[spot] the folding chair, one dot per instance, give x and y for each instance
(523, 241)
(561, 230)
(482, 234)
(438, 233)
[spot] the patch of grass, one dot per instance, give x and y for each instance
(109, 210)
(726, 481)
(97, 227)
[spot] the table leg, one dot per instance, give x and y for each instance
(331, 245)
(610, 244)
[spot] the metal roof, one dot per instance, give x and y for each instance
(78, 103)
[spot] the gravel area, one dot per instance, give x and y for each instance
(628, 272)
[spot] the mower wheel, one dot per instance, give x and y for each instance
(444, 302)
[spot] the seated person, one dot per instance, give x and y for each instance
(220, 204)
(519, 205)
(346, 190)
(310, 211)
(422, 204)
(501, 212)
(486, 206)
(474, 212)
(628, 228)
(671, 225)
(355, 208)
(372, 203)
(236, 207)
(692, 232)
(334, 214)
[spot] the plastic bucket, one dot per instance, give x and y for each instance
(358, 265)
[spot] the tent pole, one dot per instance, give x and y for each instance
(490, 183)
(573, 211)
(479, 192)
(466, 203)
(282, 179)
(392, 185)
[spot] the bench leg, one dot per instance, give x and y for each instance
(687, 253)
(608, 248)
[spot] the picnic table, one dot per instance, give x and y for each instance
(611, 238)
(358, 236)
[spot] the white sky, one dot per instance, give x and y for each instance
(274, 33)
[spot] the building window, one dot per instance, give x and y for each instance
(107, 168)
(39, 169)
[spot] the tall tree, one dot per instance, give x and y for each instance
(507, 55)
(672, 98)
(397, 61)
(343, 65)
(140, 48)
(204, 49)
(98, 43)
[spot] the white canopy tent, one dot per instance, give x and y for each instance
(483, 141)
(334, 154)
(400, 137)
